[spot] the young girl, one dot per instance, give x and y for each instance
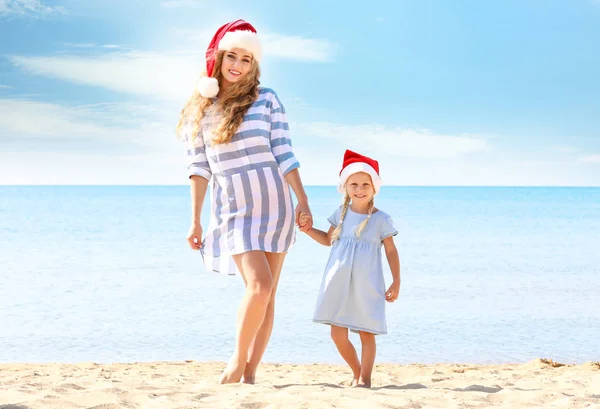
(237, 135)
(353, 294)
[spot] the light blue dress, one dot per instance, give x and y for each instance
(352, 293)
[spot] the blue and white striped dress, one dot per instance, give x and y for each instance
(251, 202)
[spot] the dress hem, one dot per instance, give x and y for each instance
(236, 272)
(352, 328)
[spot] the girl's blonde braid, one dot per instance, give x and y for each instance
(338, 230)
(363, 224)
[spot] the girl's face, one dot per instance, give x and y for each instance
(360, 187)
(236, 64)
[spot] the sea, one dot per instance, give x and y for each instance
(489, 275)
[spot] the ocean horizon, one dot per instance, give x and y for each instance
(489, 275)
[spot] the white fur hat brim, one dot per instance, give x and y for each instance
(246, 40)
(358, 167)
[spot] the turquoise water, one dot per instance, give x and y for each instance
(489, 275)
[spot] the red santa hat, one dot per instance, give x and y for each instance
(236, 34)
(356, 163)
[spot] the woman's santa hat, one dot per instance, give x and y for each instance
(356, 163)
(237, 34)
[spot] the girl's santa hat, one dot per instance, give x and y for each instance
(356, 163)
(237, 34)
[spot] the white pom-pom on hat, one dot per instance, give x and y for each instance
(208, 87)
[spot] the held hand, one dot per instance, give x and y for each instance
(393, 292)
(194, 237)
(304, 217)
(303, 220)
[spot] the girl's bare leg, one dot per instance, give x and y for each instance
(261, 341)
(369, 350)
(339, 335)
(259, 284)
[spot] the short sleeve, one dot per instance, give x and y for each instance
(387, 227)
(334, 219)
(281, 144)
(196, 152)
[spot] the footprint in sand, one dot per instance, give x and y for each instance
(253, 405)
(105, 406)
(71, 386)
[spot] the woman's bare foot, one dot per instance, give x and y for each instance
(233, 373)
(250, 380)
(249, 376)
(364, 383)
(356, 378)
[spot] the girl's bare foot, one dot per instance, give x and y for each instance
(233, 373)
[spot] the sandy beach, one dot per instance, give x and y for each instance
(190, 384)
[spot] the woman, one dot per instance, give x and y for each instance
(237, 134)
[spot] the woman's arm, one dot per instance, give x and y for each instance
(294, 180)
(281, 146)
(198, 186)
(393, 259)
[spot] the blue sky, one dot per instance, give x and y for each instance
(440, 92)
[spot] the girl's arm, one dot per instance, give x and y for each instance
(198, 186)
(393, 259)
(320, 236)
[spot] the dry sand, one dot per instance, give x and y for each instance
(170, 385)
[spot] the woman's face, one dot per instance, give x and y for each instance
(236, 64)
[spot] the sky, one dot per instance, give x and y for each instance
(460, 93)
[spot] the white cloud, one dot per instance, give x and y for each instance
(162, 76)
(563, 149)
(29, 8)
(91, 45)
(397, 141)
(89, 168)
(2, 86)
(297, 48)
(183, 3)
(274, 44)
(122, 143)
(116, 125)
(126, 143)
(16, 119)
(80, 45)
(590, 158)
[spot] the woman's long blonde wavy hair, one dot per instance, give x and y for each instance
(232, 104)
(361, 227)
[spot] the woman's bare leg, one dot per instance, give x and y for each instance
(259, 284)
(367, 361)
(261, 341)
(339, 335)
